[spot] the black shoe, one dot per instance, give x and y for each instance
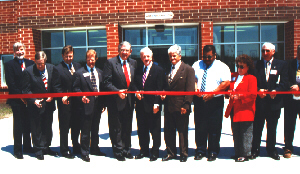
(40, 157)
(275, 156)
(140, 156)
(120, 158)
(68, 155)
(198, 156)
(153, 158)
(85, 158)
(98, 153)
(183, 159)
(212, 157)
(18, 155)
(168, 157)
(28, 150)
(127, 155)
(253, 155)
(51, 152)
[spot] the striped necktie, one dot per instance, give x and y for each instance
(203, 83)
(144, 76)
(93, 80)
(171, 74)
(45, 80)
(22, 65)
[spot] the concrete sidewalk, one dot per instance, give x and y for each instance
(110, 164)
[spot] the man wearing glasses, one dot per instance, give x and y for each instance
(211, 76)
(271, 76)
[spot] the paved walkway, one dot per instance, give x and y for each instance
(109, 164)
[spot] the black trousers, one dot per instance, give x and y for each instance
(120, 128)
(208, 118)
(21, 127)
(291, 110)
(180, 122)
(90, 130)
(272, 119)
(148, 122)
(242, 136)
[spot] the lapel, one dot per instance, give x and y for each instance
(49, 70)
(87, 78)
(99, 76)
(178, 73)
(131, 69)
(17, 66)
(241, 84)
(294, 68)
(38, 77)
(118, 66)
(66, 70)
(152, 70)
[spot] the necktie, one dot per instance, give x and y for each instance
(45, 80)
(144, 76)
(71, 69)
(22, 65)
(268, 67)
(93, 80)
(171, 74)
(126, 73)
(203, 83)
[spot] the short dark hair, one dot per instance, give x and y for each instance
(244, 58)
(124, 43)
(208, 48)
(67, 49)
(91, 52)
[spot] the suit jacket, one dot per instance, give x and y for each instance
(184, 80)
(114, 80)
(83, 83)
(154, 82)
(13, 76)
(278, 80)
(32, 83)
(292, 70)
(244, 107)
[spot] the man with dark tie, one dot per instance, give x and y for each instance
(119, 75)
(68, 112)
(41, 78)
(178, 107)
(291, 104)
(149, 77)
(89, 79)
(211, 76)
(271, 76)
(21, 124)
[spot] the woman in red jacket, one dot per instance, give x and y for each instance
(242, 102)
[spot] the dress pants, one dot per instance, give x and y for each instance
(242, 136)
(180, 122)
(148, 122)
(21, 127)
(41, 126)
(90, 130)
(120, 128)
(272, 119)
(208, 124)
(75, 122)
(291, 109)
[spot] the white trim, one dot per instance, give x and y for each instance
(250, 22)
(76, 28)
(165, 24)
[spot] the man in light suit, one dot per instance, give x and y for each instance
(21, 124)
(68, 113)
(149, 77)
(119, 75)
(41, 78)
(291, 104)
(89, 79)
(271, 76)
(178, 108)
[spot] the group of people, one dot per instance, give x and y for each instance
(207, 77)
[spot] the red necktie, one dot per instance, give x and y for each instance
(22, 66)
(126, 73)
(45, 80)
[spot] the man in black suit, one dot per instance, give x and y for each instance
(41, 78)
(271, 76)
(68, 113)
(21, 124)
(89, 79)
(291, 105)
(119, 75)
(149, 77)
(178, 108)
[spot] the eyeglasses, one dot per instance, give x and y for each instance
(265, 51)
(206, 57)
(240, 66)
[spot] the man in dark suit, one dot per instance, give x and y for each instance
(89, 79)
(291, 105)
(178, 108)
(68, 113)
(41, 78)
(21, 124)
(119, 75)
(149, 77)
(271, 76)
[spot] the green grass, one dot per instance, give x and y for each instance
(4, 110)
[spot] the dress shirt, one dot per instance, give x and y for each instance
(96, 75)
(148, 69)
(45, 71)
(217, 72)
(268, 69)
(128, 67)
(175, 70)
(238, 81)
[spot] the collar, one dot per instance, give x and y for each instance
(149, 66)
(42, 72)
(89, 68)
(126, 61)
(68, 65)
(177, 65)
(269, 61)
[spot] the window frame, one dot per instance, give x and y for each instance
(3, 82)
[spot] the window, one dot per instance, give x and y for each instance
(233, 40)
(4, 59)
(54, 40)
(159, 42)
